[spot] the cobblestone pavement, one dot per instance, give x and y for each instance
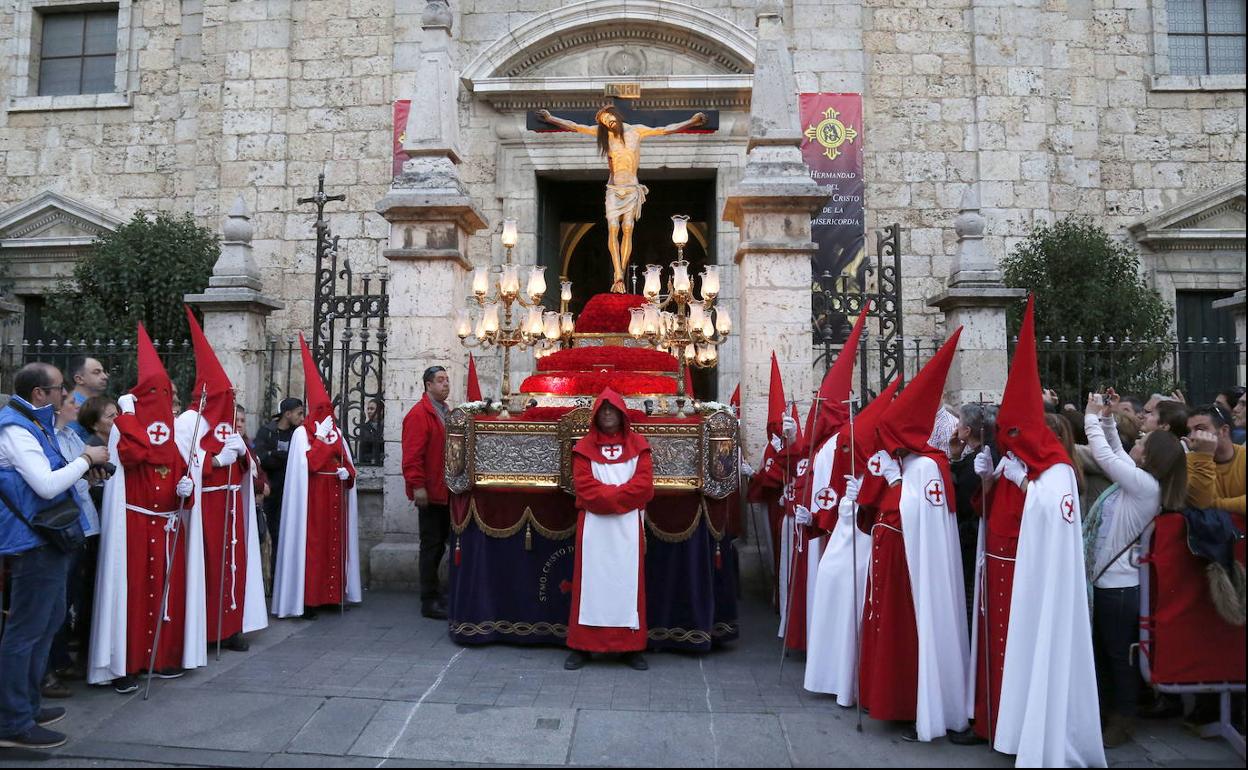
(382, 686)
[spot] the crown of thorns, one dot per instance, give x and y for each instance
(607, 109)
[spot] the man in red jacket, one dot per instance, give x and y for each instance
(424, 439)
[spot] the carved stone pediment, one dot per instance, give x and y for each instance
(42, 239)
(679, 54)
(1213, 221)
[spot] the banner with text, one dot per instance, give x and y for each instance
(832, 149)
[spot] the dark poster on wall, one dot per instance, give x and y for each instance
(832, 149)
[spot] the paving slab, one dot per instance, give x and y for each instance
(678, 739)
(442, 732)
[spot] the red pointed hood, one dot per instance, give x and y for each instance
(474, 386)
(865, 441)
(907, 424)
(153, 397)
(735, 401)
(833, 412)
(210, 376)
(1020, 421)
(618, 447)
(317, 398)
(775, 402)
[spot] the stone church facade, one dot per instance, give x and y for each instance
(995, 113)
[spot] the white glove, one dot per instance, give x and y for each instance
(801, 514)
(126, 404)
(846, 507)
(324, 427)
(185, 486)
(235, 442)
(343, 474)
(789, 429)
(889, 468)
(226, 456)
(983, 464)
(1013, 469)
(745, 469)
(852, 487)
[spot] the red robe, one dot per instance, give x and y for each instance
(1004, 520)
(215, 506)
(153, 487)
(890, 639)
(325, 549)
(605, 499)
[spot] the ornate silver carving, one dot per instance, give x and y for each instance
(516, 454)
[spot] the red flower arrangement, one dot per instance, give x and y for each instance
(608, 313)
(593, 383)
(598, 357)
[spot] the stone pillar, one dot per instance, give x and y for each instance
(1235, 304)
(431, 220)
(772, 206)
(976, 298)
(235, 310)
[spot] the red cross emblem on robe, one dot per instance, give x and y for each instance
(874, 466)
(222, 431)
(802, 467)
(1068, 509)
(158, 433)
(935, 493)
(825, 500)
(771, 461)
(612, 451)
(331, 437)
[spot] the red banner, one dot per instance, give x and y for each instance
(832, 149)
(401, 109)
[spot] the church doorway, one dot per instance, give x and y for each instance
(572, 235)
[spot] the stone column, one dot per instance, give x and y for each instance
(772, 206)
(976, 298)
(1235, 304)
(431, 220)
(235, 310)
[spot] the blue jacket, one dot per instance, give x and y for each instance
(15, 536)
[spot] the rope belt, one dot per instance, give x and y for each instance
(231, 513)
(171, 525)
(222, 488)
(326, 473)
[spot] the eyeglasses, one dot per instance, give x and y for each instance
(49, 388)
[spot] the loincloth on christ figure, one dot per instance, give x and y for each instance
(625, 199)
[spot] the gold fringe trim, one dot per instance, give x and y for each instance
(527, 519)
(514, 628)
(680, 537)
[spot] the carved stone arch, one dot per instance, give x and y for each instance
(604, 41)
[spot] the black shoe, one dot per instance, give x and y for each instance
(126, 685)
(967, 737)
(236, 643)
(49, 716)
(35, 738)
(169, 673)
(73, 673)
(308, 614)
(433, 610)
(54, 688)
(910, 734)
(635, 660)
(575, 660)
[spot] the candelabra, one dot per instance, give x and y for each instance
(496, 325)
(694, 329)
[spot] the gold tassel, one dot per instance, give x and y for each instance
(528, 537)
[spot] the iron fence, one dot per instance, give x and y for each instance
(117, 357)
(1200, 368)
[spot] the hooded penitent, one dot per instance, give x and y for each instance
(611, 448)
(473, 391)
(213, 388)
(153, 403)
(1020, 421)
(834, 392)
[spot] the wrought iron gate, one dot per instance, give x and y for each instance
(349, 338)
(836, 301)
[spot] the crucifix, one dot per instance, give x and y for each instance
(619, 131)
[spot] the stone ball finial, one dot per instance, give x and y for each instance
(237, 223)
(970, 223)
(437, 13)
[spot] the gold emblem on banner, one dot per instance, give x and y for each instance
(831, 133)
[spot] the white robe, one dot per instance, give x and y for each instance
(790, 536)
(288, 577)
(107, 657)
(1049, 714)
(611, 558)
(934, 562)
(832, 657)
(255, 615)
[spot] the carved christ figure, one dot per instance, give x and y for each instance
(621, 143)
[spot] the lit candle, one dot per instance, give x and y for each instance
(704, 355)
(565, 291)
(680, 277)
(710, 282)
(723, 322)
(708, 328)
(481, 281)
(491, 318)
(509, 284)
(567, 323)
(537, 283)
(509, 233)
(551, 321)
(637, 322)
(481, 327)
(651, 319)
(653, 284)
(680, 229)
(690, 352)
(712, 354)
(463, 323)
(697, 313)
(533, 324)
